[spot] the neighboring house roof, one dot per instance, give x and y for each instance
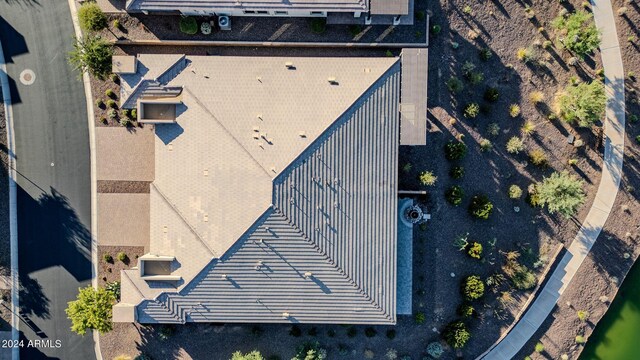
(390, 7)
(413, 107)
(221, 6)
(269, 173)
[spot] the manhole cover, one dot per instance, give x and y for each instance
(27, 77)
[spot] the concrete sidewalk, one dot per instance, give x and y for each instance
(605, 197)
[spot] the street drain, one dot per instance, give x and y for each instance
(27, 77)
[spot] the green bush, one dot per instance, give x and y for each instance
(435, 29)
(485, 145)
(370, 332)
(583, 103)
(254, 355)
(539, 347)
(188, 25)
(515, 192)
(455, 150)
(354, 30)
(427, 178)
(523, 278)
(454, 195)
(480, 207)
(92, 54)
(455, 85)
(123, 257)
(472, 288)
(471, 110)
(538, 158)
(112, 104)
(456, 172)
(533, 198)
(485, 54)
(491, 94)
(310, 351)
(114, 288)
(493, 129)
(115, 78)
(577, 33)
(109, 93)
(420, 15)
(318, 25)
(474, 249)
(583, 315)
(108, 258)
(562, 193)
(456, 334)
(465, 310)
(91, 17)
(112, 114)
(100, 103)
(580, 339)
(134, 114)
(515, 145)
(420, 318)
(116, 24)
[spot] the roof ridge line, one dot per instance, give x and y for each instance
(177, 211)
(206, 109)
(331, 125)
(338, 268)
(132, 283)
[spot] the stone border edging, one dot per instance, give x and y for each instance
(553, 262)
(94, 223)
(13, 220)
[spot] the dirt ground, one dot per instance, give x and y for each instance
(618, 246)
(110, 271)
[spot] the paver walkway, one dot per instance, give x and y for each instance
(605, 197)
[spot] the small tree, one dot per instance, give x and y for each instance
(456, 334)
(561, 193)
(583, 103)
(455, 150)
(91, 310)
(454, 195)
(92, 54)
(254, 355)
(91, 17)
(480, 207)
(577, 33)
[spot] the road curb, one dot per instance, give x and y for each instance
(92, 141)
(13, 220)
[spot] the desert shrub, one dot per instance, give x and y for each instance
(472, 288)
(456, 172)
(528, 128)
(108, 258)
(471, 110)
(352, 332)
(514, 110)
(388, 53)
(493, 129)
(427, 178)
(465, 310)
(391, 334)
(468, 68)
(539, 347)
(91, 310)
(486, 145)
(109, 93)
(91, 17)
(515, 192)
(580, 339)
(538, 158)
(485, 54)
(112, 104)
(480, 207)
(116, 24)
(124, 122)
(562, 193)
(523, 278)
(112, 114)
(392, 354)
(577, 33)
(536, 97)
(254, 355)
(455, 85)
(526, 55)
(474, 249)
(491, 94)
(318, 25)
(583, 103)
(295, 331)
(456, 334)
(533, 198)
(454, 195)
(92, 54)
(122, 257)
(188, 25)
(547, 44)
(436, 29)
(114, 288)
(435, 350)
(495, 280)
(420, 318)
(583, 315)
(515, 145)
(310, 351)
(370, 332)
(100, 104)
(455, 150)
(134, 114)
(420, 15)
(475, 77)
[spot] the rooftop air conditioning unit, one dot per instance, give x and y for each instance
(224, 23)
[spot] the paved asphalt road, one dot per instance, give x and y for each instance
(53, 165)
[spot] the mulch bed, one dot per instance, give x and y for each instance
(113, 186)
(601, 275)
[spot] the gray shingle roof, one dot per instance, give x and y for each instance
(334, 195)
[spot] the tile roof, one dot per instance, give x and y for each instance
(390, 7)
(223, 201)
(230, 5)
(413, 108)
